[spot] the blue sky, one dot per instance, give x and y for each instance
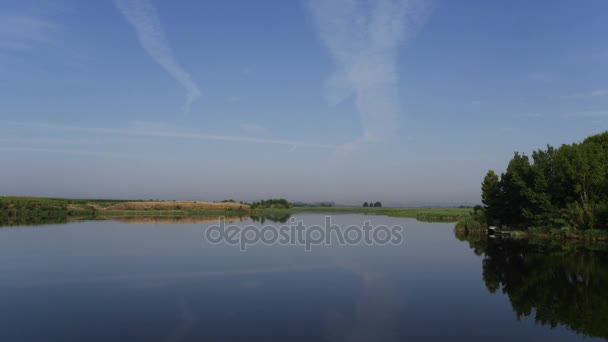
(406, 102)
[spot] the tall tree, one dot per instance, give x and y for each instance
(515, 185)
(491, 197)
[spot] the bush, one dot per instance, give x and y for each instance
(468, 224)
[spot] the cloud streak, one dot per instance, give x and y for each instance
(160, 131)
(594, 93)
(69, 152)
(22, 32)
(363, 38)
(587, 114)
(142, 15)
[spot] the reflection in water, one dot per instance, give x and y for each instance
(375, 313)
(262, 218)
(187, 320)
(273, 217)
(163, 282)
(176, 219)
(31, 220)
(156, 219)
(559, 282)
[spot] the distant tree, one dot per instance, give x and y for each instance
(377, 204)
(278, 203)
(365, 204)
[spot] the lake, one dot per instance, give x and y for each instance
(161, 280)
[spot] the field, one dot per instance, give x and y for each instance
(176, 205)
(38, 210)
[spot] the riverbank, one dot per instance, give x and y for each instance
(542, 234)
(421, 214)
(37, 209)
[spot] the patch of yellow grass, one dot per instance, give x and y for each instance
(177, 205)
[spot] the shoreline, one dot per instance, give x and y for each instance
(16, 209)
(549, 234)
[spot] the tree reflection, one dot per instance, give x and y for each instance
(32, 221)
(277, 217)
(556, 282)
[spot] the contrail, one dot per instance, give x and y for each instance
(363, 38)
(143, 16)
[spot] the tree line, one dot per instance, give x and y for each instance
(373, 204)
(275, 203)
(565, 187)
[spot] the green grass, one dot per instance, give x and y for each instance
(422, 214)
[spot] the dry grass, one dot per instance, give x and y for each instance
(176, 220)
(177, 205)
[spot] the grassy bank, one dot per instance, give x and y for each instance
(470, 228)
(34, 209)
(422, 214)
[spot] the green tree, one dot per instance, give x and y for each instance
(491, 197)
(515, 185)
(563, 187)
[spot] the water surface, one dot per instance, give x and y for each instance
(158, 280)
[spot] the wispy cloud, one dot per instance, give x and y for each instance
(594, 93)
(143, 16)
(69, 152)
(587, 114)
(363, 38)
(599, 92)
(46, 141)
(20, 32)
(156, 130)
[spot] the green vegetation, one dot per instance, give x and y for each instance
(422, 214)
(278, 203)
(14, 207)
(39, 210)
(563, 189)
(30, 210)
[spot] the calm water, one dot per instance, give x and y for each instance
(150, 281)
